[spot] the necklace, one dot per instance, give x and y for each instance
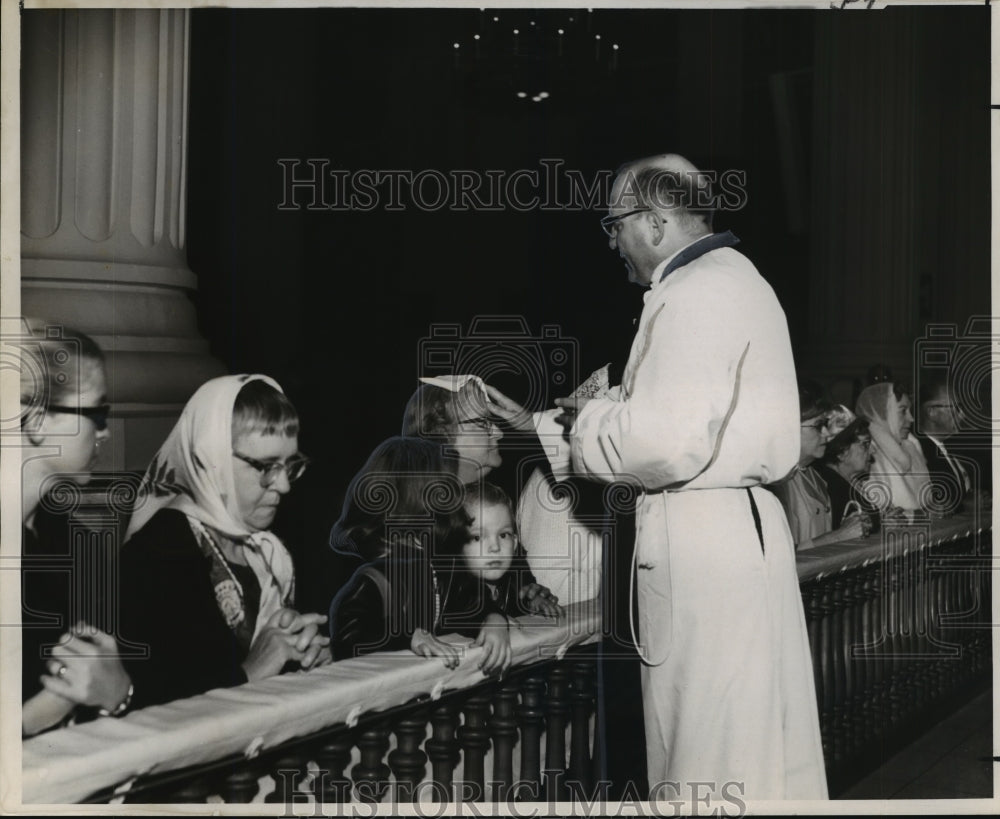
(228, 593)
(816, 493)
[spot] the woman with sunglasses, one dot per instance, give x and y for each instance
(804, 494)
(70, 667)
(205, 585)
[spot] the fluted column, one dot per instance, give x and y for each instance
(103, 141)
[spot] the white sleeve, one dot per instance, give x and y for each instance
(684, 388)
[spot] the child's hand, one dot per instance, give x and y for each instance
(495, 639)
(537, 599)
(426, 644)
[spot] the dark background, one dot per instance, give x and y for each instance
(335, 304)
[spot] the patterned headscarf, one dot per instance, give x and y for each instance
(193, 473)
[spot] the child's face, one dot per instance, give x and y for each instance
(493, 539)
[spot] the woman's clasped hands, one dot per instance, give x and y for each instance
(288, 636)
(85, 669)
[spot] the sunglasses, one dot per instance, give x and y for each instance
(98, 415)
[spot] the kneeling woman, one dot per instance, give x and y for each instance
(204, 583)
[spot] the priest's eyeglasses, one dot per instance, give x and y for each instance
(610, 223)
(269, 470)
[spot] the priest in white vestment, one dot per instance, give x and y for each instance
(708, 412)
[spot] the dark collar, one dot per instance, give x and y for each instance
(704, 245)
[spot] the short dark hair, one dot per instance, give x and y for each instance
(812, 402)
(844, 440)
(430, 412)
(484, 493)
(260, 408)
(53, 364)
(931, 388)
(404, 478)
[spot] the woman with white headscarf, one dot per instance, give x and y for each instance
(898, 468)
(205, 585)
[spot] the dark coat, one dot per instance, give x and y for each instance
(364, 619)
(168, 604)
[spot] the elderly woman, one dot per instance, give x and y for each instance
(844, 468)
(804, 495)
(205, 585)
(70, 669)
(899, 469)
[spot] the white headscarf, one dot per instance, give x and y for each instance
(898, 461)
(193, 473)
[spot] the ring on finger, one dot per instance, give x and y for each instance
(60, 670)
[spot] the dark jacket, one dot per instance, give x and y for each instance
(842, 492)
(473, 598)
(65, 574)
(367, 615)
(168, 604)
(974, 461)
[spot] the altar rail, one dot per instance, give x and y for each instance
(222, 741)
(899, 626)
(900, 631)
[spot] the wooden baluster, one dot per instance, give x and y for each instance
(837, 667)
(195, 791)
(288, 770)
(442, 748)
(474, 737)
(850, 601)
(531, 719)
(827, 723)
(882, 664)
(333, 755)
(408, 761)
(896, 665)
(504, 730)
(371, 774)
(582, 690)
(241, 785)
(858, 637)
(868, 636)
(556, 712)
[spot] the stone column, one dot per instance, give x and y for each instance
(103, 153)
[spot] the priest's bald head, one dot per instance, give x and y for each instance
(658, 205)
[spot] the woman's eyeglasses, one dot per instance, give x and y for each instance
(269, 470)
(821, 424)
(98, 415)
(485, 424)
